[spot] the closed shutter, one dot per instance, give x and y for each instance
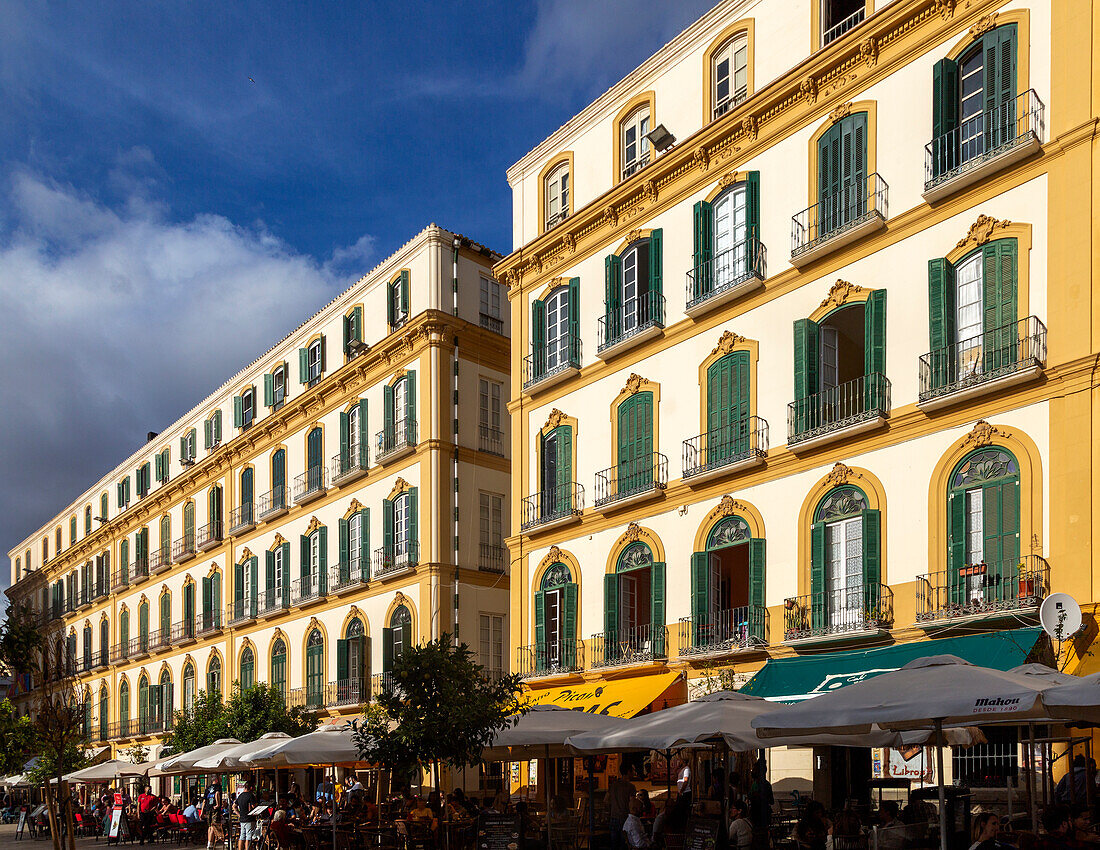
(752, 214)
(872, 561)
(303, 566)
(387, 417)
(341, 660)
(610, 616)
(817, 576)
(941, 322)
(612, 297)
(345, 461)
(414, 534)
(574, 318)
(538, 338)
(874, 349)
(410, 407)
(702, 275)
(700, 598)
(189, 608)
(364, 433)
(728, 406)
(569, 625)
(945, 116)
(542, 651)
(405, 303)
(653, 308)
(657, 608)
(757, 611)
(1001, 526)
(562, 485)
(635, 449)
(387, 528)
(207, 604)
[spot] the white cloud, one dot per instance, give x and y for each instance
(115, 323)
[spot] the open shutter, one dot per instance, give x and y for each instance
(542, 651)
(610, 615)
(322, 558)
(345, 461)
(752, 212)
(269, 579)
(387, 528)
(341, 660)
(569, 625)
(391, 319)
(872, 561)
(612, 294)
(387, 416)
(303, 365)
(999, 303)
(207, 433)
(345, 562)
(410, 405)
(956, 580)
(269, 390)
(254, 568)
(364, 544)
(574, 316)
(217, 426)
(945, 115)
(941, 321)
(357, 324)
(158, 466)
(414, 536)
(757, 558)
(347, 320)
(805, 358)
(817, 576)
(702, 278)
(363, 433)
(387, 650)
(238, 411)
(657, 607)
(655, 309)
(405, 293)
(1000, 84)
(538, 338)
(700, 598)
(303, 565)
(874, 349)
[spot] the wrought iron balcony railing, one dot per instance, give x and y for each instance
(838, 29)
(272, 503)
(635, 645)
(310, 697)
(490, 440)
(984, 138)
(636, 477)
(354, 572)
(729, 630)
(343, 692)
(638, 164)
(983, 359)
(736, 99)
(630, 319)
(160, 559)
(855, 204)
(491, 557)
(985, 588)
(310, 484)
(139, 569)
(726, 273)
(350, 464)
(550, 658)
(209, 622)
(551, 360)
(563, 501)
(854, 609)
(850, 403)
(733, 443)
(120, 578)
(396, 559)
(308, 587)
(491, 323)
(183, 548)
(242, 518)
(242, 610)
(209, 536)
(272, 600)
(395, 440)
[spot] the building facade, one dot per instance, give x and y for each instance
(803, 338)
(339, 499)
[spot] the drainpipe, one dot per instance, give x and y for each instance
(454, 403)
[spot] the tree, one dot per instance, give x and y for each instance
(20, 741)
(442, 709)
(135, 753)
(246, 715)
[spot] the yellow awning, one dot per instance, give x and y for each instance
(622, 698)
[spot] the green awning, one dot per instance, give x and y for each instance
(796, 679)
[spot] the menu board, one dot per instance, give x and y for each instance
(21, 825)
(498, 832)
(701, 834)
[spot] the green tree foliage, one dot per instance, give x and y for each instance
(442, 709)
(19, 737)
(246, 715)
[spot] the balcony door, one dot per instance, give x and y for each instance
(843, 571)
(556, 620)
(634, 295)
(842, 173)
(727, 587)
(315, 671)
(987, 94)
(728, 407)
(557, 471)
(557, 328)
(844, 562)
(730, 213)
(313, 459)
(634, 607)
(635, 447)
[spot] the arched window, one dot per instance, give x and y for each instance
(87, 519)
(104, 642)
(351, 664)
(556, 191)
(397, 301)
(124, 633)
(165, 702)
(189, 609)
(635, 145)
(247, 494)
(165, 617)
(248, 669)
(278, 666)
(727, 589)
(314, 459)
(214, 676)
(143, 626)
(189, 687)
(730, 74)
(315, 669)
(396, 638)
(845, 575)
(634, 607)
(165, 539)
(556, 620)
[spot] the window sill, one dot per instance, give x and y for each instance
(843, 433)
(970, 172)
(978, 389)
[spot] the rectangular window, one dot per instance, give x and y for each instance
(489, 404)
(492, 642)
(278, 388)
(490, 298)
(314, 362)
(143, 480)
(492, 513)
(314, 554)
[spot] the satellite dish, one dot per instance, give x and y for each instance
(1060, 616)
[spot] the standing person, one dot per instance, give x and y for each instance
(620, 791)
(295, 791)
(245, 803)
(1078, 777)
(326, 792)
(761, 798)
(147, 813)
(212, 811)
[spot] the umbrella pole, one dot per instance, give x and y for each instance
(589, 760)
(334, 808)
(546, 789)
(668, 774)
(939, 783)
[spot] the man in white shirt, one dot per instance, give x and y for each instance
(740, 832)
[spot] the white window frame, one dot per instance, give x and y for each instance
(278, 387)
(491, 519)
(489, 396)
(492, 642)
(490, 298)
(400, 406)
(248, 407)
(355, 541)
(313, 361)
(277, 568)
(732, 52)
(730, 232)
(401, 515)
(633, 132)
(399, 315)
(969, 285)
(557, 195)
(353, 436)
(314, 555)
(844, 571)
(557, 328)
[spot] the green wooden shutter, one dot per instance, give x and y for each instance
(1000, 84)
(999, 342)
(303, 365)
(872, 561)
(405, 293)
(217, 426)
(387, 528)
(238, 411)
(364, 544)
(702, 276)
(345, 562)
(286, 574)
(157, 466)
(945, 116)
(612, 296)
(269, 390)
(410, 405)
(387, 415)
(757, 572)
(1001, 526)
(364, 432)
(656, 278)
(391, 319)
(564, 469)
(610, 615)
(538, 338)
(322, 558)
(542, 651)
(269, 582)
(345, 461)
(817, 575)
(207, 433)
(956, 580)
(357, 324)
(752, 211)
(574, 316)
(657, 607)
(700, 598)
(303, 565)
(805, 358)
(183, 447)
(254, 569)
(341, 660)
(387, 650)
(414, 535)
(874, 349)
(569, 624)
(207, 603)
(347, 320)
(941, 321)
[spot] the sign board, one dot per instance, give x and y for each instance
(120, 827)
(21, 825)
(498, 832)
(701, 834)
(1060, 616)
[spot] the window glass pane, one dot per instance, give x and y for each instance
(557, 328)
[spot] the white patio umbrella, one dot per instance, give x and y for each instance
(185, 762)
(141, 768)
(230, 759)
(542, 732)
(104, 772)
(1077, 699)
(330, 744)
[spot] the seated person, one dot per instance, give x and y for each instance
(286, 834)
(633, 829)
(422, 814)
(740, 832)
(191, 813)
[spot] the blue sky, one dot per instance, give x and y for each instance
(168, 168)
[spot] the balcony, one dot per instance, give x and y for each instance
(835, 31)
(139, 570)
(724, 632)
(210, 536)
(389, 563)
(551, 658)
(983, 145)
(551, 364)
(397, 441)
(983, 591)
(491, 323)
(630, 646)
(272, 504)
(311, 698)
(855, 211)
(101, 659)
(863, 610)
(308, 589)
(120, 578)
(490, 440)
(184, 632)
(309, 485)
(242, 611)
(242, 519)
(637, 320)
(154, 725)
(382, 683)
(631, 481)
(491, 557)
(209, 623)
(183, 549)
(740, 445)
(348, 576)
(149, 643)
(736, 99)
(160, 560)
(552, 507)
(350, 465)
(272, 601)
(838, 413)
(729, 275)
(348, 692)
(993, 361)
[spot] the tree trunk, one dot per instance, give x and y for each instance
(67, 799)
(55, 821)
